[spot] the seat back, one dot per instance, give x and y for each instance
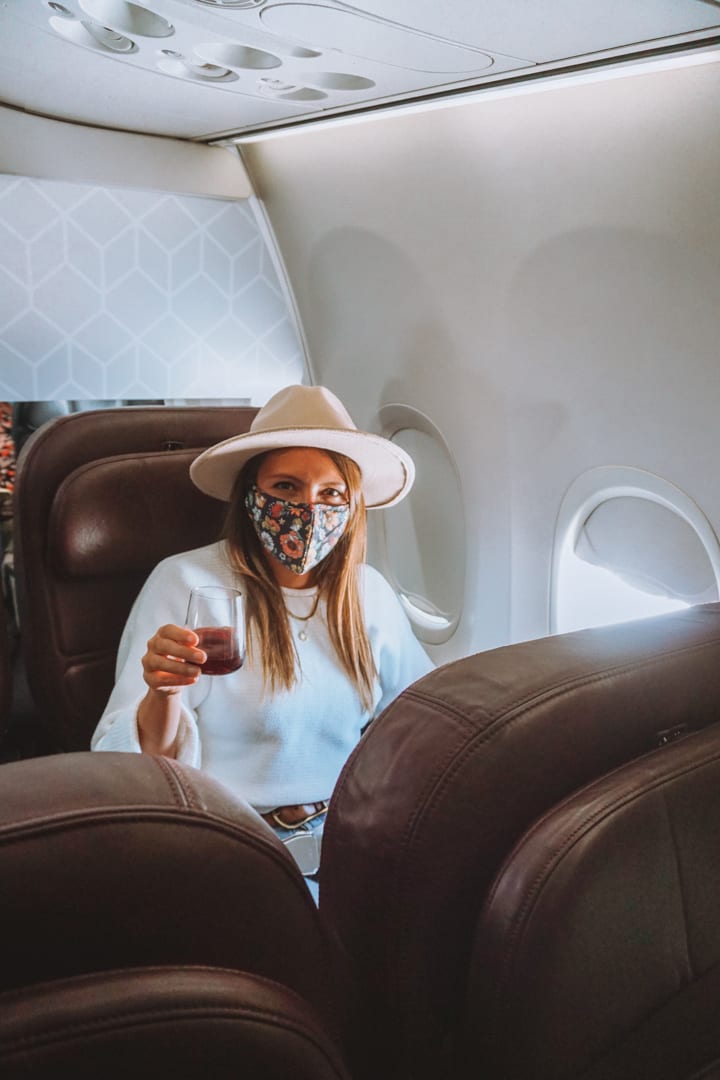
(6, 671)
(598, 953)
(100, 498)
(449, 778)
(29, 416)
(199, 1022)
(143, 902)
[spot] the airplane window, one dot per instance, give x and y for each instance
(634, 546)
(424, 535)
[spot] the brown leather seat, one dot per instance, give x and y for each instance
(185, 1023)
(450, 777)
(6, 672)
(598, 954)
(100, 498)
(144, 907)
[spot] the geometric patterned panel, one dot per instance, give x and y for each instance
(125, 294)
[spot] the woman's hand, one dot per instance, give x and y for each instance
(171, 660)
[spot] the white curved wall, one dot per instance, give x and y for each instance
(540, 275)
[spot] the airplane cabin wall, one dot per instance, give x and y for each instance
(540, 275)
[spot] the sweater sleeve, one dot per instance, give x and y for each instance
(161, 600)
(399, 656)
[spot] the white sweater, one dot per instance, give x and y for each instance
(270, 749)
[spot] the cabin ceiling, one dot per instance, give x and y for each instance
(212, 69)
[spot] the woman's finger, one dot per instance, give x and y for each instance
(171, 659)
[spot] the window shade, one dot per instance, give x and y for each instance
(650, 547)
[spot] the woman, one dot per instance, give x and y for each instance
(328, 643)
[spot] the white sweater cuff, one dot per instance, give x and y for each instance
(118, 731)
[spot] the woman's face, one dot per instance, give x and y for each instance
(302, 474)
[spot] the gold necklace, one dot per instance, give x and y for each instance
(302, 634)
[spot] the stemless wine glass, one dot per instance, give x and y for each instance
(217, 616)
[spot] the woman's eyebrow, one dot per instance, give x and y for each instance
(274, 477)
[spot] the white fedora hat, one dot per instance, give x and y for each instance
(308, 416)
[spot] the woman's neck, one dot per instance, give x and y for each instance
(286, 579)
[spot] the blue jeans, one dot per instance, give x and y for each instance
(314, 828)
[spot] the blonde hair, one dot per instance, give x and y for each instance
(269, 636)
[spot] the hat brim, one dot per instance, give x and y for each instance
(387, 471)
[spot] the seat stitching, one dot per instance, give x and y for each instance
(173, 782)
(535, 888)
(148, 1019)
(562, 686)
(681, 890)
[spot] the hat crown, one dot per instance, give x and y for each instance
(303, 407)
(308, 416)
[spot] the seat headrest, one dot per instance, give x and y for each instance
(122, 514)
(128, 860)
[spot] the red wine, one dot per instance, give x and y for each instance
(220, 644)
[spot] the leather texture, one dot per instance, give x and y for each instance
(6, 672)
(133, 862)
(449, 778)
(598, 953)
(100, 498)
(124, 860)
(185, 1023)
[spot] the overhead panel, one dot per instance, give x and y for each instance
(546, 30)
(359, 35)
(206, 69)
(202, 69)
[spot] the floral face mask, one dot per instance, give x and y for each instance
(299, 535)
